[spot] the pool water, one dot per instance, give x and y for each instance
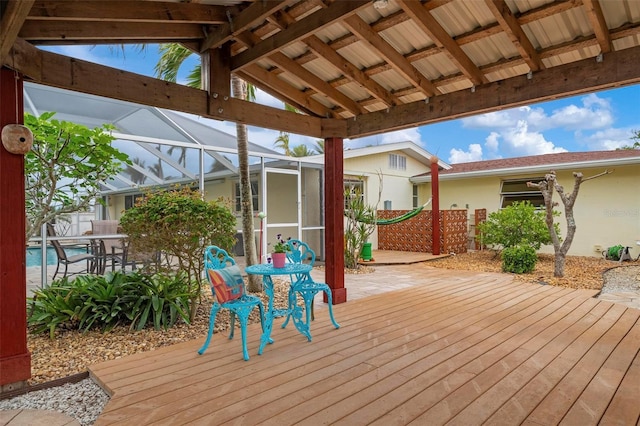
(34, 255)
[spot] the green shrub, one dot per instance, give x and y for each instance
(94, 301)
(518, 224)
(179, 224)
(519, 259)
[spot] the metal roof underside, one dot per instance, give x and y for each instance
(352, 68)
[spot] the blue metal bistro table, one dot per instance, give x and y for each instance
(294, 270)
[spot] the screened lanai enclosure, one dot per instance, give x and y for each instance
(168, 148)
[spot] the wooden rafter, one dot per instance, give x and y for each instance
(350, 71)
(512, 28)
(394, 58)
(297, 31)
(248, 18)
(11, 21)
(600, 29)
(95, 32)
(286, 63)
(299, 99)
(567, 80)
(120, 11)
(427, 23)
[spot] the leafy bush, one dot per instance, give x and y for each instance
(179, 224)
(95, 301)
(65, 167)
(518, 224)
(519, 259)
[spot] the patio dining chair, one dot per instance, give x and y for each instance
(304, 285)
(228, 290)
(94, 258)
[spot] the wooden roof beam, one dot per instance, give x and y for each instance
(619, 68)
(56, 70)
(350, 71)
(121, 11)
(430, 26)
(11, 21)
(512, 28)
(285, 92)
(394, 58)
(297, 31)
(88, 31)
(600, 29)
(289, 65)
(247, 19)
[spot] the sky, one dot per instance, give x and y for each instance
(603, 120)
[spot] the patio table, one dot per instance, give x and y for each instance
(297, 271)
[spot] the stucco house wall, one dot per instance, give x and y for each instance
(607, 210)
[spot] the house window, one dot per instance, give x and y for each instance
(415, 196)
(517, 190)
(254, 196)
(131, 200)
(397, 162)
(353, 188)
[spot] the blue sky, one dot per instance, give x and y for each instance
(603, 120)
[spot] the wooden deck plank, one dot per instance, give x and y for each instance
(439, 401)
(374, 318)
(597, 396)
(625, 409)
(456, 347)
(543, 353)
(382, 328)
(519, 407)
(553, 408)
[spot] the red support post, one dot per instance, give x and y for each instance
(334, 219)
(15, 359)
(435, 207)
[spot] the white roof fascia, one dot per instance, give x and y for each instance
(408, 147)
(531, 169)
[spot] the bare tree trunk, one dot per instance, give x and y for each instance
(546, 188)
(255, 283)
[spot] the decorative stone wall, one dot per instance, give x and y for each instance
(415, 234)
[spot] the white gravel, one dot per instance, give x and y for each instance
(83, 400)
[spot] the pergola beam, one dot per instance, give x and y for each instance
(617, 69)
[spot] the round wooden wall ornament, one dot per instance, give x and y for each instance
(16, 138)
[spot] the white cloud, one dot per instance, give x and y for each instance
(519, 141)
(609, 139)
(460, 156)
(595, 113)
(492, 142)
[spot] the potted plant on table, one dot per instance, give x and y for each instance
(280, 249)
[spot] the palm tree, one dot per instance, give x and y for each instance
(171, 58)
(319, 146)
(302, 151)
(282, 141)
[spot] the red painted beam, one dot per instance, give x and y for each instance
(15, 359)
(435, 207)
(334, 217)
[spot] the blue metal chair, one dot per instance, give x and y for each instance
(300, 252)
(228, 290)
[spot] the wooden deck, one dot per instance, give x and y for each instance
(458, 347)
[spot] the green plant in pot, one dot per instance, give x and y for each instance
(280, 250)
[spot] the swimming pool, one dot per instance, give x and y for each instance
(34, 255)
